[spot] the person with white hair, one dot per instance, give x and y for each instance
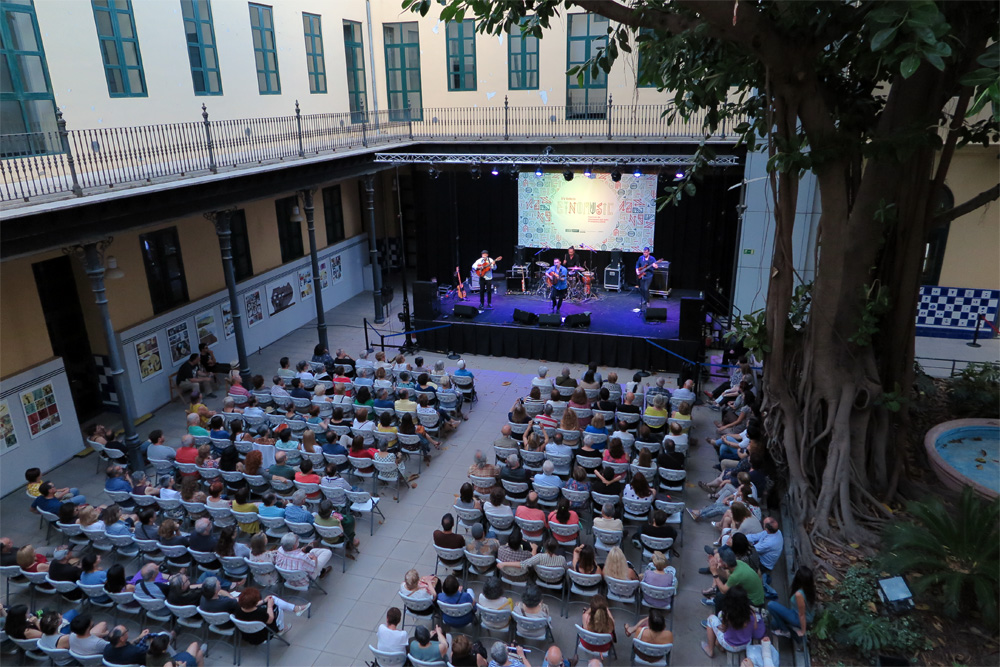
(541, 380)
(564, 379)
(547, 477)
(194, 426)
(313, 561)
(295, 512)
(500, 657)
(685, 392)
(462, 370)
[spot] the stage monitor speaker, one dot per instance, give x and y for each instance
(656, 314)
(616, 257)
(578, 320)
(692, 317)
(550, 319)
(525, 317)
(426, 303)
(461, 310)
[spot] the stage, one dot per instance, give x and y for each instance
(616, 335)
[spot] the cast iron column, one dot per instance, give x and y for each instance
(373, 248)
(92, 255)
(307, 199)
(221, 220)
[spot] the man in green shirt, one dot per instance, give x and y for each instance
(731, 572)
(281, 468)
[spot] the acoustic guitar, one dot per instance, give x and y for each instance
(461, 286)
(486, 268)
(551, 277)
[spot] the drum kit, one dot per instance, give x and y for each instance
(582, 286)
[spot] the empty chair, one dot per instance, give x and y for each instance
(363, 503)
(219, 623)
(65, 589)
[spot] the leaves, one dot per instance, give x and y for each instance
(909, 66)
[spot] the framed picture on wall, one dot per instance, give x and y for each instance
(305, 283)
(147, 353)
(179, 340)
(253, 306)
(7, 434)
(324, 273)
(335, 271)
(228, 327)
(205, 323)
(281, 295)
(41, 409)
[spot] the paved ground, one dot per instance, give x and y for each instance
(343, 623)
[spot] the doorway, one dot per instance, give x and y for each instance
(68, 333)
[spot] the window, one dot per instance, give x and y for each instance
(354, 52)
(333, 210)
(312, 28)
(119, 48)
(289, 231)
(27, 107)
(264, 51)
(587, 34)
(644, 78)
(161, 252)
(200, 35)
(522, 54)
(242, 264)
(402, 70)
(461, 43)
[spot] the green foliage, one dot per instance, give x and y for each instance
(956, 552)
(923, 384)
(976, 392)
(893, 400)
(875, 303)
(851, 619)
(798, 312)
(752, 330)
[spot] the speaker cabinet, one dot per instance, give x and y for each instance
(692, 317)
(578, 320)
(525, 317)
(461, 310)
(613, 278)
(616, 256)
(656, 314)
(426, 303)
(550, 319)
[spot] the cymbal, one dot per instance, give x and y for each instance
(543, 264)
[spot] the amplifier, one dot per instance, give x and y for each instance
(661, 279)
(613, 278)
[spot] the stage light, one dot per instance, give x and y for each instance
(568, 175)
(679, 175)
(637, 173)
(514, 171)
(476, 172)
(616, 175)
(538, 171)
(432, 172)
(588, 173)
(495, 171)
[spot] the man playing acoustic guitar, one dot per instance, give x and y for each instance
(484, 267)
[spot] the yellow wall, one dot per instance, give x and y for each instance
(973, 248)
(25, 340)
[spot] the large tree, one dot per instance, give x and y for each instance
(873, 98)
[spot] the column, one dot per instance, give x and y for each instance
(307, 199)
(373, 248)
(221, 220)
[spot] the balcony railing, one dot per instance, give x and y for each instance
(81, 162)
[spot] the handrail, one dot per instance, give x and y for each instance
(84, 161)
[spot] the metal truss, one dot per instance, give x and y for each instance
(521, 159)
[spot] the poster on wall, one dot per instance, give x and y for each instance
(324, 274)
(335, 272)
(180, 343)
(228, 328)
(280, 295)
(147, 352)
(7, 427)
(205, 323)
(305, 283)
(253, 306)
(41, 409)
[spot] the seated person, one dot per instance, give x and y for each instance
(453, 593)
(65, 494)
(270, 611)
(651, 630)
(429, 647)
(416, 587)
(87, 639)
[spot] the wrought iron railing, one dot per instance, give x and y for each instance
(80, 162)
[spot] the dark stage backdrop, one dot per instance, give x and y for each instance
(457, 217)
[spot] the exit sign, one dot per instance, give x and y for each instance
(748, 251)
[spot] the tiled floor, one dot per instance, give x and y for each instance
(343, 623)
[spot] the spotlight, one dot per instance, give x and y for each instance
(495, 171)
(679, 175)
(637, 173)
(538, 171)
(476, 172)
(432, 172)
(514, 171)
(616, 175)
(568, 175)
(588, 173)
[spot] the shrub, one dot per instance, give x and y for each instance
(976, 392)
(957, 554)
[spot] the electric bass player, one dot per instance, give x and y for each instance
(484, 267)
(644, 272)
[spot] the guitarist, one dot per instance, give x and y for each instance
(484, 269)
(644, 271)
(556, 279)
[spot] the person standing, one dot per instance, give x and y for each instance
(645, 263)
(557, 276)
(485, 279)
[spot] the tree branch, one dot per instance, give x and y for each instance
(981, 199)
(638, 17)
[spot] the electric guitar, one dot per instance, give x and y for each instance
(487, 267)
(640, 273)
(461, 286)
